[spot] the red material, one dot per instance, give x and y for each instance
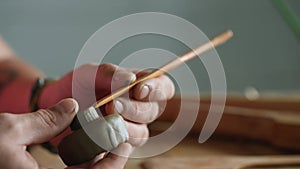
(15, 97)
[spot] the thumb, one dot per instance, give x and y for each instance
(44, 124)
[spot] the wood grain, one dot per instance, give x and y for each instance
(222, 162)
(278, 125)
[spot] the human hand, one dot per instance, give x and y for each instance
(139, 109)
(19, 131)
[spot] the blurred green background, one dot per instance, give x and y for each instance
(265, 52)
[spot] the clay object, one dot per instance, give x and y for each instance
(78, 147)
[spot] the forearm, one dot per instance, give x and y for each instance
(16, 80)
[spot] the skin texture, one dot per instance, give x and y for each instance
(138, 111)
(138, 108)
(33, 128)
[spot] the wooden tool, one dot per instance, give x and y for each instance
(221, 162)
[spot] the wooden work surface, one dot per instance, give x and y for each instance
(247, 128)
(189, 147)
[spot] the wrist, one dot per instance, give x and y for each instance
(41, 96)
(39, 85)
(14, 98)
(52, 93)
(49, 96)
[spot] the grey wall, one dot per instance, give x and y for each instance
(264, 53)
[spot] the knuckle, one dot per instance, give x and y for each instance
(138, 136)
(107, 67)
(144, 136)
(172, 90)
(10, 124)
(162, 105)
(145, 133)
(169, 85)
(148, 111)
(47, 117)
(154, 112)
(131, 109)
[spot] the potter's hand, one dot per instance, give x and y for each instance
(19, 131)
(139, 109)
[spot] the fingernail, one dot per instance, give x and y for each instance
(144, 92)
(68, 106)
(119, 106)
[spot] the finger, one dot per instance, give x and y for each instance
(15, 157)
(138, 133)
(117, 159)
(136, 111)
(156, 89)
(45, 124)
(110, 77)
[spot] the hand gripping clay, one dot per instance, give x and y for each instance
(78, 147)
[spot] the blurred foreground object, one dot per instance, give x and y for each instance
(274, 120)
(234, 162)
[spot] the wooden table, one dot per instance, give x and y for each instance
(235, 125)
(189, 147)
